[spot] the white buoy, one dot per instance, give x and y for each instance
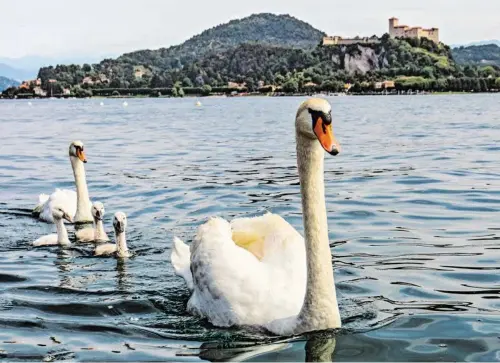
(29, 103)
(198, 103)
(102, 103)
(125, 104)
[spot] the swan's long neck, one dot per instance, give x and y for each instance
(62, 233)
(320, 310)
(121, 245)
(83, 207)
(99, 232)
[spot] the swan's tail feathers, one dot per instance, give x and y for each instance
(42, 198)
(181, 260)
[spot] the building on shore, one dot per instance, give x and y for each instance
(404, 31)
(395, 31)
(337, 40)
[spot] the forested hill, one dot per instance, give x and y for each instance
(488, 54)
(266, 29)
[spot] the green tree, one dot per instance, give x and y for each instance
(483, 85)
(291, 86)
(186, 82)
(206, 90)
(487, 71)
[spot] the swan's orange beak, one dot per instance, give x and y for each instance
(324, 133)
(81, 155)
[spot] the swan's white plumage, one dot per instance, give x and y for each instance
(76, 203)
(231, 285)
(48, 240)
(105, 249)
(59, 214)
(119, 249)
(96, 233)
(62, 197)
(181, 260)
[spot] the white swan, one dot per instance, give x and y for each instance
(61, 238)
(76, 204)
(253, 271)
(97, 233)
(120, 248)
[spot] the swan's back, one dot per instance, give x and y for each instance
(105, 249)
(267, 271)
(269, 237)
(48, 240)
(62, 197)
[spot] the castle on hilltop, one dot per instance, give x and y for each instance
(395, 31)
(404, 31)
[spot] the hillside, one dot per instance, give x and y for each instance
(7, 82)
(268, 29)
(478, 55)
(259, 62)
(254, 63)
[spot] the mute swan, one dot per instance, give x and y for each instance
(61, 238)
(120, 248)
(260, 271)
(96, 234)
(76, 204)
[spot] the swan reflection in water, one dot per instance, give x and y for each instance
(319, 347)
(122, 277)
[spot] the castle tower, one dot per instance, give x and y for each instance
(393, 23)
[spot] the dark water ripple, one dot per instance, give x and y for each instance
(413, 202)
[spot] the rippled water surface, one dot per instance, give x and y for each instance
(413, 207)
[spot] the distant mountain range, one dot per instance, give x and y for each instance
(25, 68)
(7, 82)
(481, 42)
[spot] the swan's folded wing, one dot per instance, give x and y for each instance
(105, 249)
(42, 199)
(265, 235)
(62, 197)
(66, 198)
(48, 240)
(181, 260)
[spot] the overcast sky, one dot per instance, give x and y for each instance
(103, 27)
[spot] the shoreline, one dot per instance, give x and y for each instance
(256, 94)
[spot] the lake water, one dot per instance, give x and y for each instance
(413, 206)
